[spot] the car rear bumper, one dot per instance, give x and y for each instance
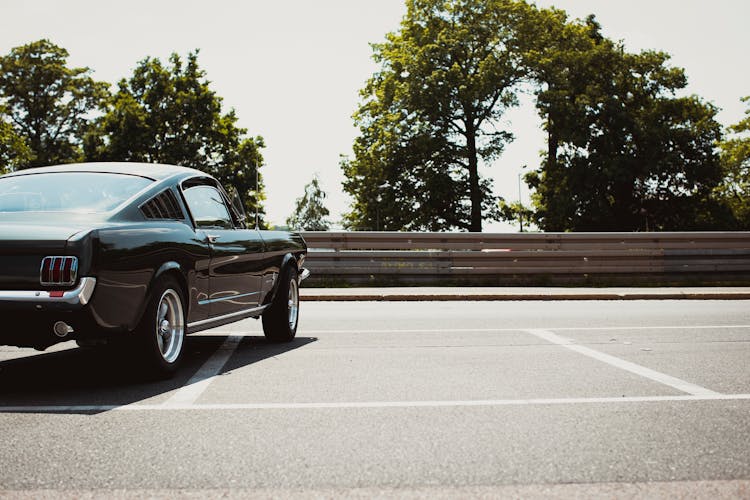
(30, 315)
(75, 298)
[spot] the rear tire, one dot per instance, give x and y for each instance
(161, 334)
(281, 318)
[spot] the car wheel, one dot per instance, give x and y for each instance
(281, 318)
(161, 334)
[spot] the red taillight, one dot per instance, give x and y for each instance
(59, 270)
(57, 265)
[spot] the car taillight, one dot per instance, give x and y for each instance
(60, 270)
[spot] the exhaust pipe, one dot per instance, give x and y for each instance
(62, 329)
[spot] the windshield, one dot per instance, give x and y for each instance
(85, 192)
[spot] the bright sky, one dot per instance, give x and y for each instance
(292, 70)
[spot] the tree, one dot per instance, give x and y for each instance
(735, 159)
(431, 116)
(624, 153)
(309, 212)
(13, 149)
(169, 114)
(47, 105)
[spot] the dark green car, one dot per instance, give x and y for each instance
(145, 253)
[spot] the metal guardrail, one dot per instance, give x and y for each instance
(528, 258)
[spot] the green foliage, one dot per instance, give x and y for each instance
(624, 153)
(517, 211)
(44, 106)
(431, 116)
(309, 212)
(13, 149)
(162, 114)
(169, 114)
(735, 159)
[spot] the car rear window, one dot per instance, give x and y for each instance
(87, 192)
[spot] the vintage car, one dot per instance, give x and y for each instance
(103, 252)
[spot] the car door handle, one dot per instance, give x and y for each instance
(213, 237)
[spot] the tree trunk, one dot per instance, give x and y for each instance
(474, 192)
(555, 219)
(551, 145)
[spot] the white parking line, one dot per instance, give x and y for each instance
(519, 329)
(374, 404)
(192, 390)
(663, 378)
(656, 327)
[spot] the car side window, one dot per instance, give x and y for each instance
(207, 207)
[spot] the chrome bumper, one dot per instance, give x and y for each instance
(79, 296)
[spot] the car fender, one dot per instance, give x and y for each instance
(285, 261)
(167, 267)
(176, 269)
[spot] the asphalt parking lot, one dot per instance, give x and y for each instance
(478, 399)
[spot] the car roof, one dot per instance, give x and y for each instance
(152, 171)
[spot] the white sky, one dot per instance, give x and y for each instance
(292, 70)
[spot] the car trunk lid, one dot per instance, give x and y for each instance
(22, 249)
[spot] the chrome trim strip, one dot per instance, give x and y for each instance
(304, 275)
(87, 290)
(228, 297)
(79, 296)
(215, 319)
(74, 270)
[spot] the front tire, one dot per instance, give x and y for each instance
(281, 318)
(161, 333)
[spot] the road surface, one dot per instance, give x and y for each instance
(400, 399)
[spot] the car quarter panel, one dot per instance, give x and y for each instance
(126, 261)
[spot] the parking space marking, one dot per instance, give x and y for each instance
(374, 404)
(637, 369)
(518, 329)
(198, 383)
(186, 397)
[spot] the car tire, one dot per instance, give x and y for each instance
(160, 336)
(281, 318)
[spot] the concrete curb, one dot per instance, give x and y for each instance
(507, 294)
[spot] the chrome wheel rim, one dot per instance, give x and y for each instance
(293, 304)
(170, 329)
